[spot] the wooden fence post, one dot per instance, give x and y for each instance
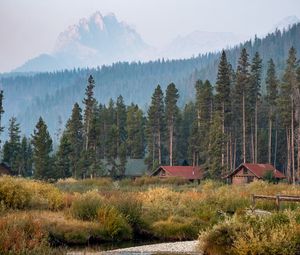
(278, 202)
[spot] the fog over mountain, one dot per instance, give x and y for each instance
(200, 42)
(102, 40)
(285, 23)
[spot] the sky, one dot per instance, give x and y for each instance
(30, 27)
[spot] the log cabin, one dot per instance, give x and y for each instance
(191, 173)
(246, 173)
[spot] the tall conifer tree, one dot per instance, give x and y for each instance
(223, 104)
(255, 87)
(11, 150)
(74, 132)
(155, 128)
(89, 102)
(272, 94)
(241, 89)
(42, 147)
(171, 117)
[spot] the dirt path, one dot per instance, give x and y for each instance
(187, 247)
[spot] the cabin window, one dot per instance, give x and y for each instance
(250, 178)
(245, 170)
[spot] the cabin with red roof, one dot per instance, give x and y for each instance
(191, 173)
(246, 173)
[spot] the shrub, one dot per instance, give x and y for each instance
(130, 207)
(145, 180)
(175, 228)
(22, 234)
(85, 207)
(19, 193)
(82, 186)
(174, 181)
(252, 234)
(159, 203)
(44, 195)
(219, 239)
(13, 194)
(114, 225)
(70, 232)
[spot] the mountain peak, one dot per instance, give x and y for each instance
(97, 19)
(95, 40)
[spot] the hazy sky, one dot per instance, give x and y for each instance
(30, 27)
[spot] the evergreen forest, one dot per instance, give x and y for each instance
(228, 122)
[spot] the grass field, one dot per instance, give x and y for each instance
(46, 218)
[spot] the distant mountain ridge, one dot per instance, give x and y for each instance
(102, 40)
(201, 42)
(92, 42)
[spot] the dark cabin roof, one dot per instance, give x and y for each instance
(4, 169)
(133, 168)
(186, 172)
(259, 170)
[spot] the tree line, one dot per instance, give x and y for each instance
(30, 95)
(226, 124)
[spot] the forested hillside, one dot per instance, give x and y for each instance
(52, 95)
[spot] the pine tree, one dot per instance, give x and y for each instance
(255, 86)
(171, 116)
(286, 108)
(25, 157)
(89, 102)
(216, 137)
(121, 120)
(187, 117)
(112, 150)
(74, 132)
(11, 150)
(155, 129)
(122, 159)
(223, 104)
(42, 147)
(63, 162)
(204, 110)
(241, 92)
(272, 94)
(290, 82)
(135, 132)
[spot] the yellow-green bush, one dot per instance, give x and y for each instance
(131, 207)
(85, 207)
(69, 231)
(19, 193)
(159, 203)
(13, 194)
(114, 225)
(175, 228)
(277, 233)
(44, 195)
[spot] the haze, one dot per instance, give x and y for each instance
(29, 28)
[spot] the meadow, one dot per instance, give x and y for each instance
(48, 218)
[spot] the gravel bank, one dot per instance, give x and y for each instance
(187, 247)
